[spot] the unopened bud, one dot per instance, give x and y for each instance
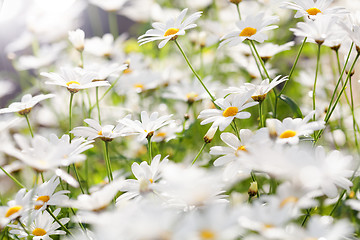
(186, 116)
(210, 134)
(271, 125)
(253, 189)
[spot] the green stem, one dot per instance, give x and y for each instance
(113, 24)
(12, 178)
(256, 61)
(315, 81)
(70, 113)
(353, 115)
(107, 161)
(28, 123)
(260, 115)
(57, 220)
(192, 69)
(97, 104)
(330, 111)
(149, 149)
(198, 155)
(259, 58)
(23, 226)
(81, 59)
(338, 60)
(238, 10)
(78, 178)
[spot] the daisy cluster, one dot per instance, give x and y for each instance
(224, 119)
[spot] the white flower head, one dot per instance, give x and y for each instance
(74, 79)
(252, 28)
(170, 30)
(229, 110)
(147, 126)
(312, 8)
(17, 207)
(77, 38)
(27, 103)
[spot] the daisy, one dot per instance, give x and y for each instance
(146, 178)
(319, 31)
(311, 8)
(106, 133)
(45, 194)
(171, 29)
(101, 47)
(17, 207)
(41, 227)
(77, 39)
(26, 104)
(289, 130)
(251, 28)
(260, 90)
(147, 126)
(235, 147)
(74, 79)
(229, 110)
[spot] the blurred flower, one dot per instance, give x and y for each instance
(171, 30)
(21, 204)
(26, 104)
(251, 28)
(77, 39)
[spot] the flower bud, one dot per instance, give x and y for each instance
(253, 189)
(210, 134)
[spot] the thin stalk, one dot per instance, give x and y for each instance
(97, 104)
(338, 60)
(81, 59)
(315, 81)
(149, 149)
(198, 155)
(112, 17)
(256, 61)
(353, 115)
(192, 69)
(78, 178)
(23, 226)
(259, 58)
(57, 220)
(107, 161)
(238, 10)
(70, 113)
(28, 123)
(260, 115)
(12, 178)
(330, 111)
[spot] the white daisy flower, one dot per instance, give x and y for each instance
(229, 110)
(311, 8)
(15, 208)
(77, 39)
(170, 30)
(42, 226)
(251, 28)
(146, 178)
(260, 90)
(109, 5)
(319, 31)
(106, 133)
(74, 79)
(147, 126)
(27, 103)
(45, 194)
(289, 130)
(101, 47)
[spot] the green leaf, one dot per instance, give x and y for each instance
(294, 107)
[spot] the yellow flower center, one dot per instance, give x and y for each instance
(43, 199)
(161, 134)
(139, 85)
(248, 32)
(39, 232)
(151, 180)
(267, 226)
(287, 200)
(230, 111)
(207, 234)
(313, 11)
(171, 31)
(241, 148)
(287, 134)
(72, 82)
(13, 210)
(192, 95)
(127, 71)
(100, 133)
